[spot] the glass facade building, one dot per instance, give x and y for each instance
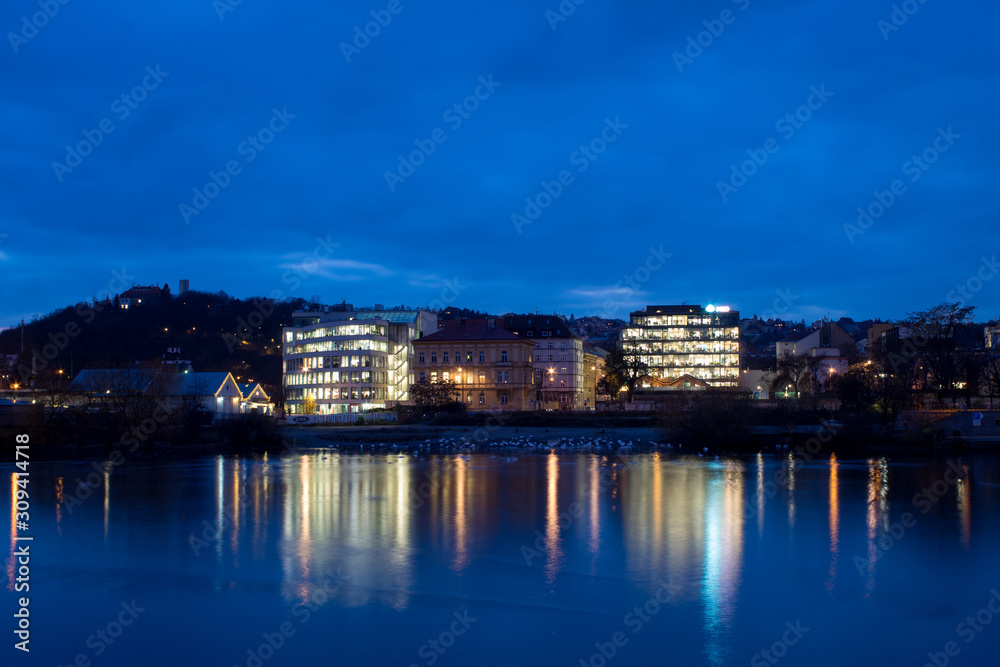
(350, 361)
(687, 340)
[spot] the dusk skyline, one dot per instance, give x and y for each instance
(630, 129)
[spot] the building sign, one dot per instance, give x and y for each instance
(977, 418)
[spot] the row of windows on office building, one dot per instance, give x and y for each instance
(338, 346)
(353, 330)
(728, 333)
(685, 347)
(342, 361)
(656, 360)
(340, 394)
(337, 377)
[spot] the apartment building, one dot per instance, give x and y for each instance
(490, 366)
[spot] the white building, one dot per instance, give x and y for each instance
(346, 360)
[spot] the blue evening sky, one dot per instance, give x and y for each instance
(643, 126)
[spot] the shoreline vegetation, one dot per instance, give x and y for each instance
(732, 427)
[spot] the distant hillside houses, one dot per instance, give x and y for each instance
(138, 294)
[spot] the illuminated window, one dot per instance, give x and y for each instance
(434, 376)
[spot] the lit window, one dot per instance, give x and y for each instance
(445, 376)
(434, 376)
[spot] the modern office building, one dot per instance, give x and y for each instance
(687, 340)
(347, 360)
(491, 367)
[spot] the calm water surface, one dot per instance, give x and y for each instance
(494, 560)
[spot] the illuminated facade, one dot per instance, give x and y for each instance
(491, 367)
(350, 361)
(558, 359)
(687, 340)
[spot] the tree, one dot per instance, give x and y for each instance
(435, 395)
(624, 369)
(791, 369)
(309, 405)
(935, 331)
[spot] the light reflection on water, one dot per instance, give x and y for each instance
(419, 537)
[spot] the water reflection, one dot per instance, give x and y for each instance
(877, 518)
(723, 558)
(553, 546)
(834, 521)
(964, 506)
